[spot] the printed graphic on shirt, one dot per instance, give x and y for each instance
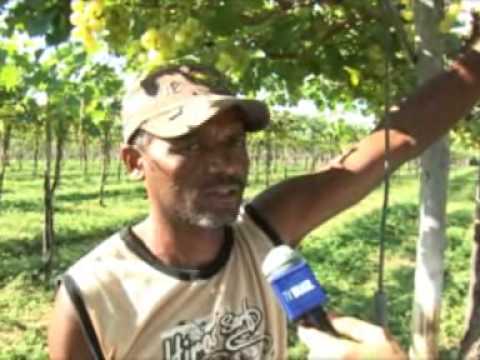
(230, 335)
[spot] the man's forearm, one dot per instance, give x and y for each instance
(439, 103)
(415, 124)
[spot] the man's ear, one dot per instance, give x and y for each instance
(133, 160)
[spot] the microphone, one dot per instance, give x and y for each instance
(297, 288)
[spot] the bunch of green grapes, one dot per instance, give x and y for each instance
(162, 45)
(159, 46)
(406, 10)
(450, 17)
(88, 20)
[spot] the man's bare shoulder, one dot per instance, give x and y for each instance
(65, 336)
(111, 246)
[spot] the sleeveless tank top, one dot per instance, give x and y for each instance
(142, 309)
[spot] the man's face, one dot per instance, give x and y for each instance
(199, 178)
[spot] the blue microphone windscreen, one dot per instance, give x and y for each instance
(294, 283)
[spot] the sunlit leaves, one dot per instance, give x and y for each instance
(354, 75)
(10, 77)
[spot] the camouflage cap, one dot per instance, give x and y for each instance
(173, 101)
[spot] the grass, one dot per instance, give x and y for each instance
(343, 252)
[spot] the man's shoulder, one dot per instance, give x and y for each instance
(254, 230)
(108, 249)
(256, 224)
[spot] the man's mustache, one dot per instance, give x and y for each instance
(227, 180)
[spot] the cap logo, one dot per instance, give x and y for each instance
(168, 88)
(179, 111)
(175, 87)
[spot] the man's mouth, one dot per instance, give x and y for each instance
(223, 190)
(226, 194)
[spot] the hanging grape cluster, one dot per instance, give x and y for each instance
(159, 45)
(162, 45)
(88, 20)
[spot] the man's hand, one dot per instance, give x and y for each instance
(368, 342)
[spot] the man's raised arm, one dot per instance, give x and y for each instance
(298, 205)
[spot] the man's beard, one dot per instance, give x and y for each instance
(209, 219)
(191, 210)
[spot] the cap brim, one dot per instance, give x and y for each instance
(182, 118)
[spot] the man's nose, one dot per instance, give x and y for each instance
(225, 162)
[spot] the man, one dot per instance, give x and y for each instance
(185, 283)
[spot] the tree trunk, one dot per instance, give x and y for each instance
(20, 158)
(36, 150)
(83, 140)
(470, 344)
(119, 170)
(48, 201)
(429, 270)
(7, 135)
(106, 146)
(59, 148)
(268, 157)
(275, 160)
(257, 157)
(415, 167)
(314, 161)
(84, 155)
(286, 162)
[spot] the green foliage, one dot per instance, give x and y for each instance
(27, 316)
(467, 133)
(331, 51)
(41, 17)
(10, 77)
(286, 48)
